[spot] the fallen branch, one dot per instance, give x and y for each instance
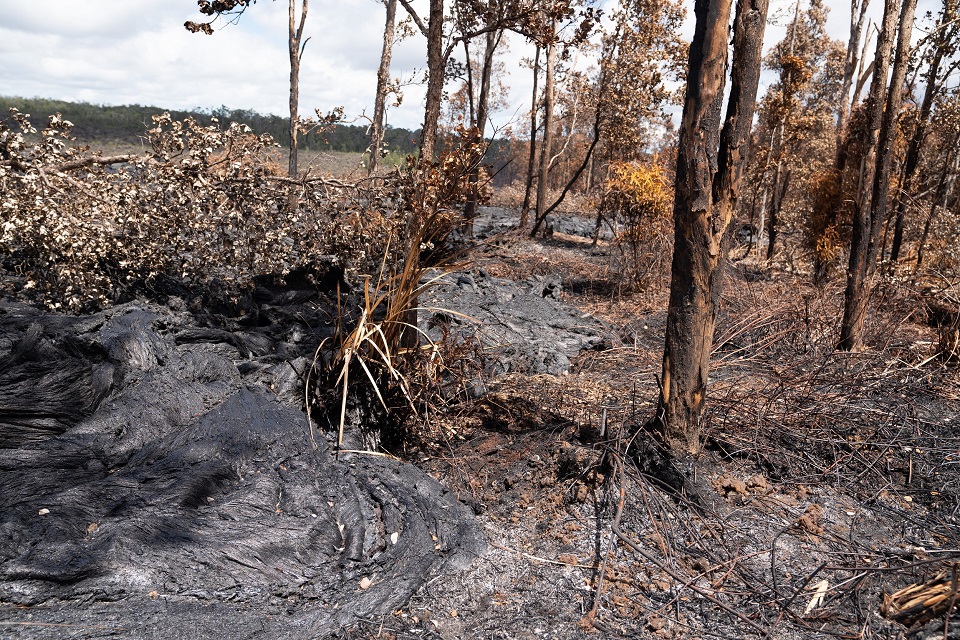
(92, 160)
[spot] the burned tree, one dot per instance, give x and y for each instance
(883, 109)
(941, 44)
(708, 172)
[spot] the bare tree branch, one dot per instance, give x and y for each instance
(93, 160)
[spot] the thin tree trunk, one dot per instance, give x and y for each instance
(531, 161)
(776, 202)
(703, 204)
(295, 34)
(435, 69)
(858, 12)
(576, 176)
(889, 131)
(852, 69)
(944, 188)
(588, 186)
(482, 115)
(875, 171)
(471, 102)
(543, 182)
(409, 337)
(383, 78)
(778, 189)
(920, 132)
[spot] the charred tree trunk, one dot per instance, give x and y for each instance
(435, 70)
(875, 172)
(383, 79)
(532, 160)
(708, 172)
(852, 65)
(543, 182)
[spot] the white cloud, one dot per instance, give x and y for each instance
(87, 19)
(111, 52)
(137, 51)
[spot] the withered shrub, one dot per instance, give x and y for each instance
(400, 377)
(637, 201)
(206, 205)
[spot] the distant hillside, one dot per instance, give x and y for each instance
(93, 122)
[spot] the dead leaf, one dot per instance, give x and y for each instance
(818, 597)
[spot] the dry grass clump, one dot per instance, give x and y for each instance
(380, 345)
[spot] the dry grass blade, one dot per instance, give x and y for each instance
(922, 602)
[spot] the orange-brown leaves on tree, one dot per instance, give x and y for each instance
(639, 197)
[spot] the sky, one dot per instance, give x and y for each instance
(118, 52)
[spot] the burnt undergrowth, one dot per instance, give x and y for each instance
(825, 503)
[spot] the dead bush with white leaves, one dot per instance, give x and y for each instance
(204, 206)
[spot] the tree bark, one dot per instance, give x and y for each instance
(543, 182)
(871, 205)
(531, 161)
(383, 79)
(707, 182)
(435, 70)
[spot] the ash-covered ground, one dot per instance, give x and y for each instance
(158, 477)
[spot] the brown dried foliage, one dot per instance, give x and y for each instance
(206, 205)
(637, 199)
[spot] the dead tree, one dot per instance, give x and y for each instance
(532, 158)
(943, 43)
(707, 180)
(858, 13)
(295, 35)
(543, 177)
(875, 168)
(383, 80)
(435, 75)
